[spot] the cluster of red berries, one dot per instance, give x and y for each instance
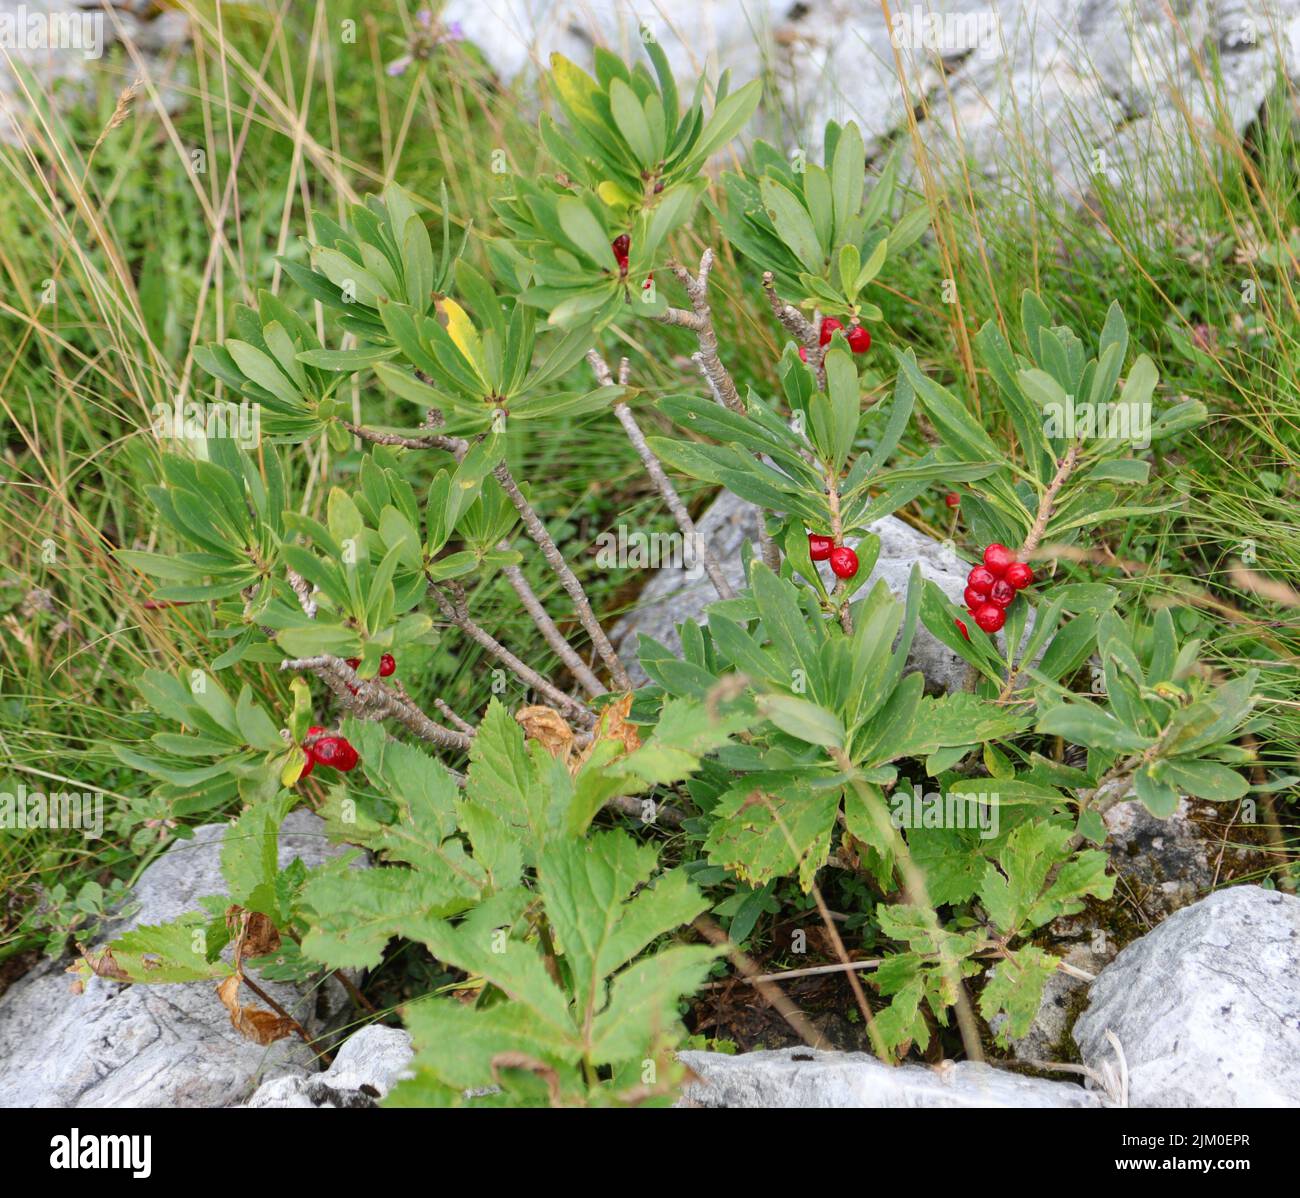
(858, 337)
(990, 588)
(333, 751)
(843, 560)
(387, 664)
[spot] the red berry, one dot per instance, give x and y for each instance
(997, 558)
(335, 751)
(980, 579)
(354, 662)
(952, 499)
(386, 665)
(859, 339)
(803, 353)
(311, 765)
(1002, 593)
(315, 730)
(1019, 575)
(829, 325)
(844, 562)
(621, 245)
(973, 598)
(819, 547)
(962, 625)
(990, 617)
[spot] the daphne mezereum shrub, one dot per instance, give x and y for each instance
(562, 856)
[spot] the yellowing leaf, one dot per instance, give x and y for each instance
(461, 330)
(615, 196)
(293, 767)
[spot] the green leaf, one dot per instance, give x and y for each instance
(793, 224)
(802, 719)
(1014, 988)
(848, 177)
(585, 886)
(1204, 779)
(1082, 724)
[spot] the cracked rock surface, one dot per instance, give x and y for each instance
(1207, 1006)
(1092, 87)
(169, 1045)
(806, 1077)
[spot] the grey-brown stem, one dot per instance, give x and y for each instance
(537, 530)
(655, 470)
(700, 320)
(454, 611)
(373, 701)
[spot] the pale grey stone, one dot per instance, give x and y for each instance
(1206, 1007)
(805, 1077)
(61, 45)
(167, 1045)
(1091, 86)
(375, 1057)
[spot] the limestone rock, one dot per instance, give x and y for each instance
(368, 1065)
(805, 1077)
(168, 1045)
(1206, 1007)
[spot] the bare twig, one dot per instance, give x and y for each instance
(455, 611)
(430, 441)
(374, 701)
(806, 332)
(568, 580)
(721, 384)
(700, 321)
(694, 541)
(783, 1006)
(1049, 499)
(303, 591)
(550, 633)
(792, 320)
(464, 725)
(663, 814)
(555, 559)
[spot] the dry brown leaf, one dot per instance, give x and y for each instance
(548, 726)
(253, 1023)
(613, 726)
(103, 965)
(260, 936)
(254, 934)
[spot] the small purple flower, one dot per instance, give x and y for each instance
(398, 66)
